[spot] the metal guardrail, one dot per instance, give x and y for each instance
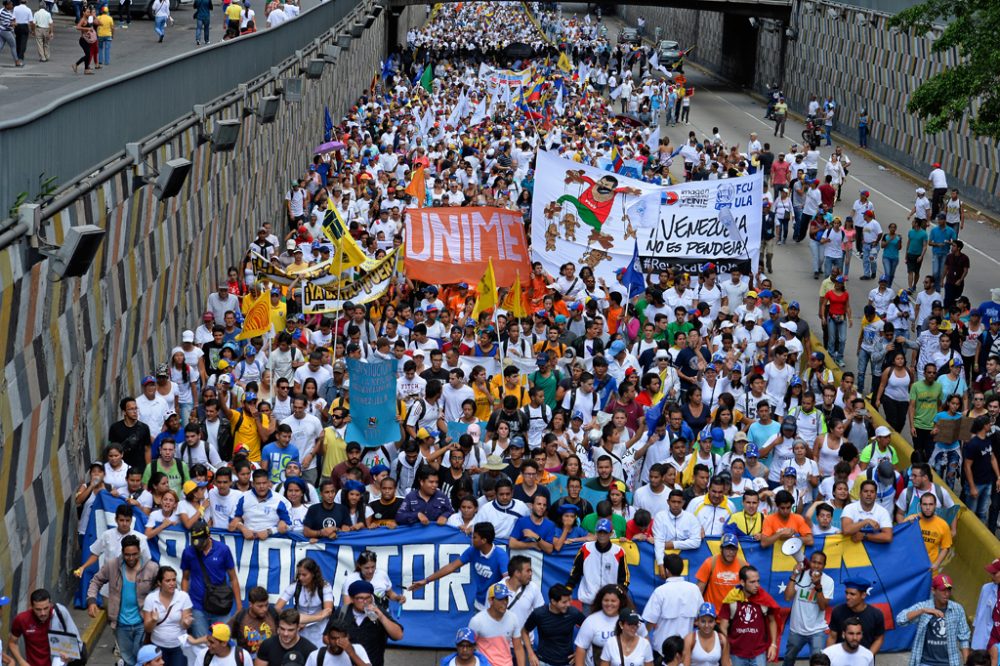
(60, 138)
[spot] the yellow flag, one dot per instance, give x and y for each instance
(514, 301)
(348, 253)
(564, 64)
(258, 318)
(487, 288)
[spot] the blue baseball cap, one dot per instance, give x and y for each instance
(766, 293)
(790, 471)
(569, 508)
(378, 469)
(250, 350)
(753, 451)
(542, 359)
(774, 309)
(147, 653)
(577, 415)
(604, 525)
(706, 610)
(148, 379)
(729, 539)
(795, 305)
(498, 591)
(465, 635)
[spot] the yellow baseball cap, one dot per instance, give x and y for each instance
(222, 633)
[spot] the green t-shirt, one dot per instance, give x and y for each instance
(673, 328)
(547, 384)
(589, 522)
(916, 239)
(177, 474)
(925, 401)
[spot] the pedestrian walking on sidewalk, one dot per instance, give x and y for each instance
(88, 38)
(105, 33)
(43, 31)
(161, 16)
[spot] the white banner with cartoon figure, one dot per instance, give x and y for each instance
(593, 217)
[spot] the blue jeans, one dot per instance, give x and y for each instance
(759, 660)
(889, 266)
(203, 622)
(847, 260)
(160, 25)
(979, 505)
(173, 656)
(795, 642)
(937, 268)
(830, 262)
(199, 27)
(797, 231)
(816, 249)
(129, 637)
(826, 133)
(869, 254)
(948, 465)
(863, 136)
(837, 337)
(104, 58)
(864, 360)
(78, 9)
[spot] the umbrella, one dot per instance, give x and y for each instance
(328, 147)
(629, 119)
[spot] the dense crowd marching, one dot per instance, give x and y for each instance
(698, 410)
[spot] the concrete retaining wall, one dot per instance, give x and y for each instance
(71, 350)
(861, 66)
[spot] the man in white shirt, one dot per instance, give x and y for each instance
(871, 233)
(867, 516)
(675, 528)
(673, 606)
(939, 186)
(454, 393)
(810, 591)
(222, 499)
(276, 17)
(221, 301)
(152, 406)
(44, 31)
(525, 594)
(850, 651)
(307, 436)
(654, 496)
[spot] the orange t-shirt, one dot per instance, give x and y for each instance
(773, 523)
(719, 579)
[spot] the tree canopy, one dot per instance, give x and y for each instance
(970, 87)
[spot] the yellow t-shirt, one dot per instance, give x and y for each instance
(334, 450)
(279, 315)
(105, 25)
(937, 535)
(484, 403)
(233, 11)
(246, 436)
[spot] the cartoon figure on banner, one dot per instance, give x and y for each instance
(551, 234)
(593, 256)
(569, 226)
(594, 203)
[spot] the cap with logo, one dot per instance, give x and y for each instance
(941, 582)
(465, 635)
(604, 525)
(498, 591)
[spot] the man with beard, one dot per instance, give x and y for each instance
(339, 650)
(287, 647)
(850, 650)
(366, 622)
(256, 623)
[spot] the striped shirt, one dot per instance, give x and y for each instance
(6, 19)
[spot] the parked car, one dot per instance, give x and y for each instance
(629, 36)
(670, 52)
(139, 8)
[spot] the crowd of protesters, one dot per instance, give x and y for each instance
(699, 410)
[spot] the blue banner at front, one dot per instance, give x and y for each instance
(898, 571)
(373, 403)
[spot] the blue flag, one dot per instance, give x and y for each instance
(327, 125)
(633, 278)
(373, 403)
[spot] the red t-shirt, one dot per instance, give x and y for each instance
(837, 302)
(827, 193)
(748, 630)
(36, 637)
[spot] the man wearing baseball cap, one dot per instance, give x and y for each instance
(465, 653)
(597, 564)
(149, 655)
(985, 631)
(943, 635)
(216, 649)
(496, 630)
(872, 620)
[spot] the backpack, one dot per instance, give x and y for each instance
(238, 656)
(180, 468)
(572, 401)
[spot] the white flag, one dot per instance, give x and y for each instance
(617, 92)
(654, 139)
(645, 212)
(559, 106)
(726, 218)
(480, 113)
(654, 62)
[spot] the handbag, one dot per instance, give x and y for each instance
(218, 598)
(65, 639)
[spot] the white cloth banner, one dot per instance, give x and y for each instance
(592, 217)
(508, 78)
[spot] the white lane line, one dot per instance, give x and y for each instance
(866, 185)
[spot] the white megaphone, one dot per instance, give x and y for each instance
(793, 547)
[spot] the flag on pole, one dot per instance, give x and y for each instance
(257, 320)
(654, 140)
(514, 302)
(417, 188)
(616, 160)
(564, 63)
(327, 125)
(426, 78)
(479, 115)
(726, 218)
(348, 253)
(487, 288)
(632, 278)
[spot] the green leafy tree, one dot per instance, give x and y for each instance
(972, 86)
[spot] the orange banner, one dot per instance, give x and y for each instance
(451, 245)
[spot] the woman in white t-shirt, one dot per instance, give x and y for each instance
(465, 518)
(312, 597)
(115, 470)
(806, 471)
(166, 615)
(294, 492)
(627, 647)
(366, 568)
(705, 646)
(599, 627)
(164, 517)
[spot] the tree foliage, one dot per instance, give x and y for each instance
(970, 87)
